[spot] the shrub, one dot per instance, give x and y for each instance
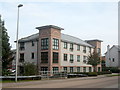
(92, 74)
(104, 72)
(112, 69)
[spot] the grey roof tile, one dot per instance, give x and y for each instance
(64, 37)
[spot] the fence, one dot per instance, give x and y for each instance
(52, 74)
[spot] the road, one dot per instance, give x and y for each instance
(104, 82)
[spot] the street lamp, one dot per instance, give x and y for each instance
(17, 48)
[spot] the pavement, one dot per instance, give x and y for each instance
(42, 82)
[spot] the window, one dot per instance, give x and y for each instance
(85, 59)
(90, 69)
(71, 58)
(78, 47)
(65, 69)
(44, 44)
(98, 51)
(78, 69)
(44, 69)
(71, 69)
(55, 57)
(21, 57)
(99, 69)
(32, 42)
(89, 49)
(21, 70)
(32, 55)
(44, 57)
(65, 57)
(55, 70)
(55, 44)
(78, 58)
(113, 60)
(22, 46)
(84, 49)
(71, 46)
(84, 69)
(65, 45)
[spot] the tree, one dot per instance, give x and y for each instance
(6, 49)
(94, 60)
(29, 69)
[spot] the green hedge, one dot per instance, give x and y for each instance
(86, 73)
(104, 72)
(92, 74)
(112, 69)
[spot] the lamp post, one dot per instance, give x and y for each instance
(17, 48)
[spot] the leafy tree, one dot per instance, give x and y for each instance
(29, 69)
(6, 49)
(94, 60)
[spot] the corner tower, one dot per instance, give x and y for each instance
(97, 48)
(49, 51)
(97, 45)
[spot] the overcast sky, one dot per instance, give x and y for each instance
(85, 20)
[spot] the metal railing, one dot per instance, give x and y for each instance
(52, 74)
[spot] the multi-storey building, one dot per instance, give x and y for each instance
(51, 50)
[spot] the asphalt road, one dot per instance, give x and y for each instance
(104, 82)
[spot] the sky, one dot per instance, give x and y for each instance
(85, 20)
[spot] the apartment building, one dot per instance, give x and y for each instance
(52, 50)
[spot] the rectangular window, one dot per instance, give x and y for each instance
(21, 70)
(71, 46)
(55, 57)
(84, 49)
(55, 70)
(22, 46)
(65, 69)
(78, 58)
(85, 59)
(113, 59)
(84, 69)
(89, 50)
(55, 44)
(32, 55)
(78, 69)
(65, 57)
(44, 57)
(71, 69)
(21, 57)
(32, 42)
(65, 45)
(98, 51)
(90, 69)
(99, 69)
(44, 44)
(71, 58)
(78, 47)
(44, 70)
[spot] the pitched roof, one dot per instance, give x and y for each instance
(117, 46)
(72, 39)
(29, 38)
(64, 37)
